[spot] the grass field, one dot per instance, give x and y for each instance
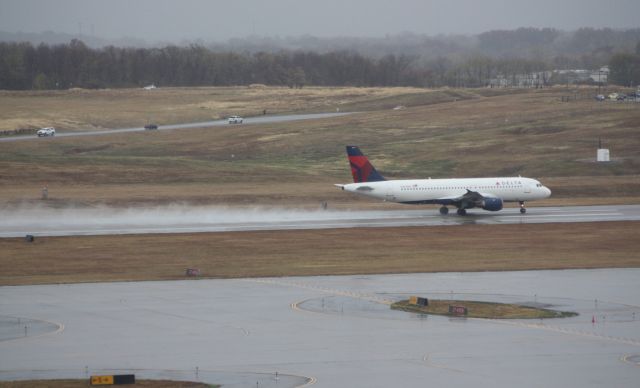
(113, 108)
(320, 252)
(483, 133)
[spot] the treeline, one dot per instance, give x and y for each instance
(25, 66)
(625, 68)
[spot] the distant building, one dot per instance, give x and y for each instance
(530, 80)
(582, 76)
(601, 75)
(574, 76)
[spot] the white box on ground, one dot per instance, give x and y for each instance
(603, 155)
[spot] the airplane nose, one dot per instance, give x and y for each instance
(547, 192)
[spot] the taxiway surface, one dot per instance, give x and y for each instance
(332, 331)
(184, 219)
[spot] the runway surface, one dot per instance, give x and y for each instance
(332, 331)
(40, 221)
(215, 123)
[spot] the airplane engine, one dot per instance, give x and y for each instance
(492, 204)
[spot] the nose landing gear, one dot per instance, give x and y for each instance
(522, 208)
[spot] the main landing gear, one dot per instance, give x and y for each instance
(463, 212)
(445, 210)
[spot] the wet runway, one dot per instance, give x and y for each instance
(185, 219)
(328, 331)
(215, 123)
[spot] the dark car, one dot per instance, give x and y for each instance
(150, 126)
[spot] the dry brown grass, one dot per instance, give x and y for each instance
(320, 252)
(528, 133)
(75, 109)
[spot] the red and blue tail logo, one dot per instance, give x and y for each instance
(361, 169)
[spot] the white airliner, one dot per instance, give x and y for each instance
(463, 193)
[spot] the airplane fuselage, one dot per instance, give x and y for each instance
(443, 191)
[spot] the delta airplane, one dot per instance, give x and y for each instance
(463, 193)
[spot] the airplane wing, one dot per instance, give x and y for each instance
(468, 200)
(469, 196)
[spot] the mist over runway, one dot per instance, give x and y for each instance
(45, 221)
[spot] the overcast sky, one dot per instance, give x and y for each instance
(219, 20)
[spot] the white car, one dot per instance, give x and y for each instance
(235, 120)
(49, 131)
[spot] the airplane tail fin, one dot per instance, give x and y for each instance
(361, 169)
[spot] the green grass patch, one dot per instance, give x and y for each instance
(476, 309)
